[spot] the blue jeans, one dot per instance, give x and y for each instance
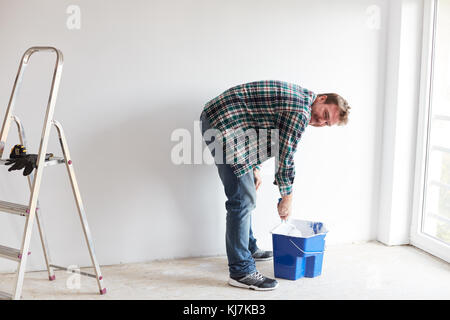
(241, 201)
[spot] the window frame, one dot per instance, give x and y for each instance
(418, 238)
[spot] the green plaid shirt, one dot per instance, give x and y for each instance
(268, 104)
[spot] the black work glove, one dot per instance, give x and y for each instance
(20, 159)
(26, 161)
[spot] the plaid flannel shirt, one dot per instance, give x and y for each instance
(268, 104)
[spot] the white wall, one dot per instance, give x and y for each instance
(400, 121)
(137, 70)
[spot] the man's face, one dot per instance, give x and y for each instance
(323, 114)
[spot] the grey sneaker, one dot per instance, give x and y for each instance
(255, 281)
(261, 255)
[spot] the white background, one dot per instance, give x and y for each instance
(137, 70)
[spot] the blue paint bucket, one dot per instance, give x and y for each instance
(298, 248)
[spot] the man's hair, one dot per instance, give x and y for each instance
(334, 98)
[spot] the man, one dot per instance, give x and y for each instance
(261, 105)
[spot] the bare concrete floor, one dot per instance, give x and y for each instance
(358, 271)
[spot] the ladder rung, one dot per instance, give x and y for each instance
(10, 253)
(5, 296)
(76, 271)
(13, 208)
(54, 161)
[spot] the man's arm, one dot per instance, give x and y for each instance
(291, 126)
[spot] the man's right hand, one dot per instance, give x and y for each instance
(285, 207)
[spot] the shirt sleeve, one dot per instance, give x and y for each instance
(291, 126)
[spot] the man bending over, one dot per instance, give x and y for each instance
(260, 106)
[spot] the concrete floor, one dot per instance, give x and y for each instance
(358, 271)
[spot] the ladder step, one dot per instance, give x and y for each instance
(5, 296)
(10, 253)
(13, 208)
(51, 162)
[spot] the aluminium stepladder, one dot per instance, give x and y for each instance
(32, 210)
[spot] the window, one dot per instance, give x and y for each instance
(431, 220)
(436, 208)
